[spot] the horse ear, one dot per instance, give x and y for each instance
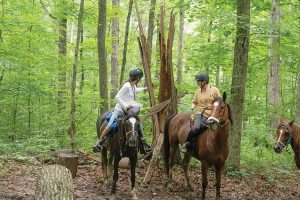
(291, 122)
(224, 96)
(282, 118)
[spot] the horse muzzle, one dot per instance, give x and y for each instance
(132, 142)
(278, 148)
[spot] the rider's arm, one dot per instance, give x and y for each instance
(140, 89)
(217, 92)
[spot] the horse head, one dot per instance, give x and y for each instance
(220, 112)
(130, 129)
(284, 134)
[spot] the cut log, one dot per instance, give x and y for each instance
(54, 182)
(70, 161)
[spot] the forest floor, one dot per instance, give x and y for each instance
(18, 181)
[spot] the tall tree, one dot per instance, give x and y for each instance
(180, 43)
(151, 27)
(126, 41)
(102, 54)
(115, 49)
(274, 56)
(239, 74)
(62, 50)
(74, 75)
(298, 78)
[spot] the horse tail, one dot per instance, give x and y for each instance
(166, 142)
(99, 121)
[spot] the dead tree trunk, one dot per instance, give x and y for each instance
(167, 89)
(54, 182)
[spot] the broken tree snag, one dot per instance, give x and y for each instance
(54, 182)
(166, 89)
(70, 161)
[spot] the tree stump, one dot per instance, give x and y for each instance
(54, 182)
(70, 161)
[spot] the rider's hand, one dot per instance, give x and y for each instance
(129, 106)
(193, 106)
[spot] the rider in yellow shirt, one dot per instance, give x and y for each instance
(203, 99)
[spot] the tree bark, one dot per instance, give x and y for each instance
(239, 80)
(62, 50)
(125, 42)
(102, 54)
(115, 49)
(298, 82)
(74, 75)
(151, 27)
(273, 81)
(54, 182)
(82, 77)
(180, 45)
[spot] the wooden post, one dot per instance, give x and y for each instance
(54, 182)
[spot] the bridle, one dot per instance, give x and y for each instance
(220, 118)
(289, 140)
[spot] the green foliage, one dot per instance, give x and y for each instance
(31, 123)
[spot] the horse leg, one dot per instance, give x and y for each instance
(133, 160)
(219, 169)
(185, 166)
(171, 163)
(115, 177)
(204, 168)
(109, 168)
(104, 164)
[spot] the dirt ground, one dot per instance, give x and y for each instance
(18, 181)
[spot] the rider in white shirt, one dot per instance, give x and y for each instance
(125, 100)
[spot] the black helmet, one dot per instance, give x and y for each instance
(136, 73)
(202, 76)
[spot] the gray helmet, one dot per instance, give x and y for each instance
(136, 73)
(202, 76)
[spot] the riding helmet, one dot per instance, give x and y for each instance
(136, 73)
(202, 76)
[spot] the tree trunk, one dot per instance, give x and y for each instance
(151, 27)
(68, 159)
(298, 84)
(180, 45)
(82, 77)
(102, 54)
(239, 80)
(62, 50)
(273, 81)
(126, 42)
(54, 182)
(74, 75)
(115, 49)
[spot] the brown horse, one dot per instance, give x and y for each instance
(288, 132)
(211, 146)
(123, 143)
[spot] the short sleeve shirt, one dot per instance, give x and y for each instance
(203, 99)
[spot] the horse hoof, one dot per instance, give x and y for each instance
(170, 187)
(133, 194)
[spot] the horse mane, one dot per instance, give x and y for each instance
(230, 114)
(132, 114)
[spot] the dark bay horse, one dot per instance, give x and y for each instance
(123, 143)
(287, 133)
(211, 146)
